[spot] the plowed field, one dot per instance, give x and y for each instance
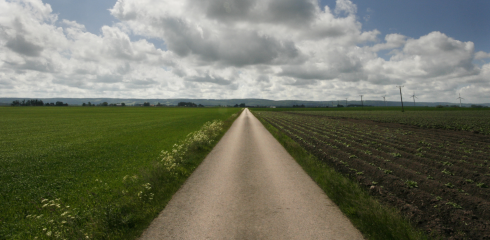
(437, 178)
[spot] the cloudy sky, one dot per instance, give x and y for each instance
(272, 49)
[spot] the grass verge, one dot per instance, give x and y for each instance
(374, 220)
(124, 211)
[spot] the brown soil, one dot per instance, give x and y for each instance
(450, 168)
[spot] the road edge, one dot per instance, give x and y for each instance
(363, 210)
(197, 158)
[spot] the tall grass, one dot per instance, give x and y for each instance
(374, 220)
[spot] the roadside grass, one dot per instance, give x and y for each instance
(93, 173)
(373, 219)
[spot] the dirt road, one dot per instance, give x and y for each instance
(249, 187)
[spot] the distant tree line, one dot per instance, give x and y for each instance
(104, 104)
(299, 106)
(36, 102)
(189, 104)
(241, 105)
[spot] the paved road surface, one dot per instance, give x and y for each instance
(249, 187)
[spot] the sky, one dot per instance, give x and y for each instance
(221, 49)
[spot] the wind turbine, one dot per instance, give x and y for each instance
(414, 97)
(346, 102)
(362, 103)
(384, 98)
(460, 99)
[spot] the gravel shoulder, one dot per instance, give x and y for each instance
(249, 187)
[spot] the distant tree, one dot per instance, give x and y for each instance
(58, 103)
(105, 104)
(35, 102)
(89, 104)
(200, 105)
(146, 104)
(123, 104)
(242, 104)
(47, 104)
(236, 105)
(84, 104)
(30, 102)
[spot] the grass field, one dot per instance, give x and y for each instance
(79, 155)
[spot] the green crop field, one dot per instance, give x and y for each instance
(78, 154)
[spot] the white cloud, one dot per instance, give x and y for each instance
(392, 41)
(278, 49)
(345, 6)
(481, 55)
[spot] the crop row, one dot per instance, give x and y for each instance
(426, 173)
(473, 121)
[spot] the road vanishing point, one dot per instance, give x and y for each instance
(249, 187)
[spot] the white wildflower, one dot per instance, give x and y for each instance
(134, 178)
(147, 186)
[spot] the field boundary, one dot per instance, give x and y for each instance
(194, 158)
(374, 220)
